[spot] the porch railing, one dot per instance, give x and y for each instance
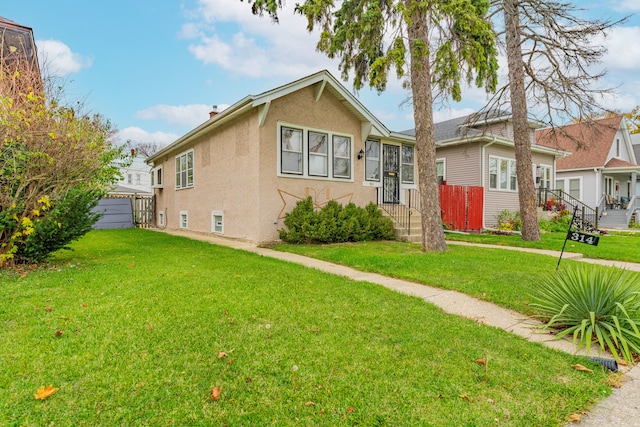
(634, 204)
(555, 199)
(401, 213)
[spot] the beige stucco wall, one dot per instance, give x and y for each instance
(236, 170)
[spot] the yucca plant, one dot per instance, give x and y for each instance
(594, 304)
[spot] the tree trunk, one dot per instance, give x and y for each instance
(521, 138)
(432, 231)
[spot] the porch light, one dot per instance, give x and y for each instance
(360, 154)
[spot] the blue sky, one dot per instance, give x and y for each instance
(155, 68)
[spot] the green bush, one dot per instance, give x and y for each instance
(559, 222)
(593, 304)
(509, 221)
(335, 223)
(64, 222)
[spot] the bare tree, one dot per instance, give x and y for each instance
(553, 78)
(146, 149)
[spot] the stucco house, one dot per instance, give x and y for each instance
(479, 152)
(601, 170)
(242, 170)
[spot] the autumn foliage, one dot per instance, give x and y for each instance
(55, 164)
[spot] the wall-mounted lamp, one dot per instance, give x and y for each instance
(361, 154)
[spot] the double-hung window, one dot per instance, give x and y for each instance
(407, 164)
(545, 176)
(372, 160)
(314, 153)
(502, 174)
(441, 170)
(184, 170)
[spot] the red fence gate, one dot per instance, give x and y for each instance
(462, 207)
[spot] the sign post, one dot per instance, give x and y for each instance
(577, 236)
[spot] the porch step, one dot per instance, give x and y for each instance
(615, 218)
(414, 233)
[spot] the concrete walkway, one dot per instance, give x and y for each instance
(621, 409)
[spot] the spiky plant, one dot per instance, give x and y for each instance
(594, 304)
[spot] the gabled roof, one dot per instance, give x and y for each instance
(322, 80)
(589, 144)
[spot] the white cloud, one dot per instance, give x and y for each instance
(184, 115)
(623, 49)
(255, 47)
(628, 6)
(58, 59)
(137, 135)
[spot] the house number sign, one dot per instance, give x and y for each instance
(589, 239)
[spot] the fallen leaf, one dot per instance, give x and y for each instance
(47, 308)
(481, 361)
(350, 409)
(309, 404)
(231, 361)
(84, 305)
(222, 354)
(231, 319)
(574, 418)
(579, 367)
(465, 396)
(249, 380)
(59, 332)
(131, 265)
(215, 393)
(622, 362)
(44, 392)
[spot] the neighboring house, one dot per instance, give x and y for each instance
(241, 171)
(602, 170)
(635, 141)
(136, 178)
(480, 152)
(17, 44)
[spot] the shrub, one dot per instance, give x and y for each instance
(55, 228)
(559, 222)
(335, 223)
(593, 303)
(509, 221)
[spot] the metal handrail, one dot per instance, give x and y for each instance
(585, 212)
(399, 212)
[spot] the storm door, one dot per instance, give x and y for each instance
(391, 173)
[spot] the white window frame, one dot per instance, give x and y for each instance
(411, 165)
(184, 173)
(568, 189)
(157, 176)
(372, 160)
(543, 178)
(214, 216)
(184, 219)
(304, 154)
(161, 219)
(444, 170)
(511, 182)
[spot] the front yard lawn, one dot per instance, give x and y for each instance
(135, 327)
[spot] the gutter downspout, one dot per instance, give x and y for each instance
(482, 178)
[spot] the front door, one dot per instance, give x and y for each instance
(391, 173)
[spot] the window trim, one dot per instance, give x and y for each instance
(442, 160)
(184, 224)
(510, 164)
(568, 189)
(368, 159)
(215, 214)
(404, 180)
(157, 175)
(186, 155)
(305, 153)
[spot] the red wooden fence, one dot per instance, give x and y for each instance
(462, 207)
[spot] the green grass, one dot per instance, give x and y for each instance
(619, 246)
(501, 276)
(144, 316)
